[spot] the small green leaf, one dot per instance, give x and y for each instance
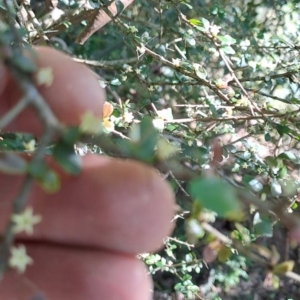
(45, 177)
(205, 23)
(66, 157)
(262, 225)
(226, 40)
(228, 50)
(187, 5)
(24, 63)
(291, 156)
(120, 6)
(115, 81)
(216, 195)
(283, 129)
(267, 137)
(71, 135)
(195, 22)
(200, 71)
(282, 172)
(271, 161)
(143, 141)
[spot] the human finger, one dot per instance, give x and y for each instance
(114, 204)
(61, 273)
(73, 92)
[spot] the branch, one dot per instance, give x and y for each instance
(98, 19)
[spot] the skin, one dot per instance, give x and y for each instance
(92, 229)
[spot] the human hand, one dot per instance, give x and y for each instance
(85, 246)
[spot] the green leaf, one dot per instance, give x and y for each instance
(283, 129)
(267, 137)
(195, 22)
(71, 135)
(66, 157)
(262, 225)
(187, 5)
(282, 172)
(143, 141)
(226, 40)
(253, 183)
(291, 156)
(271, 161)
(216, 195)
(200, 71)
(120, 6)
(228, 50)
(205, 23)
(115, 81)
(24, 63)
(45, 177)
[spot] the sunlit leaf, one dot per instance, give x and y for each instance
(284, 267)
(226, 39)
(216, 195)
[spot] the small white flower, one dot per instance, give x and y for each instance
(245, 165)
(252, 129)
(214, 30)
(25, 221)
(128, 117)
(176, 62)
(19, 259)
(138, 71)
(267, 127)
(151, 88)
(128, 69)
(124, 78)
(44, 76)
(141, 50)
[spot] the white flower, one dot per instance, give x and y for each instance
(25, 221)
(44, 76)
(176, 62)
(151, 88)
(141, 49)
(128, 69)
(214, 30)
(267, 127)
(19, 259)
(128, 117)
(245, 165)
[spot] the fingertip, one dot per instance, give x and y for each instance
(73, 92)
(75, 88)
(114, 204)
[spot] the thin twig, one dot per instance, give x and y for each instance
(13, 112)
